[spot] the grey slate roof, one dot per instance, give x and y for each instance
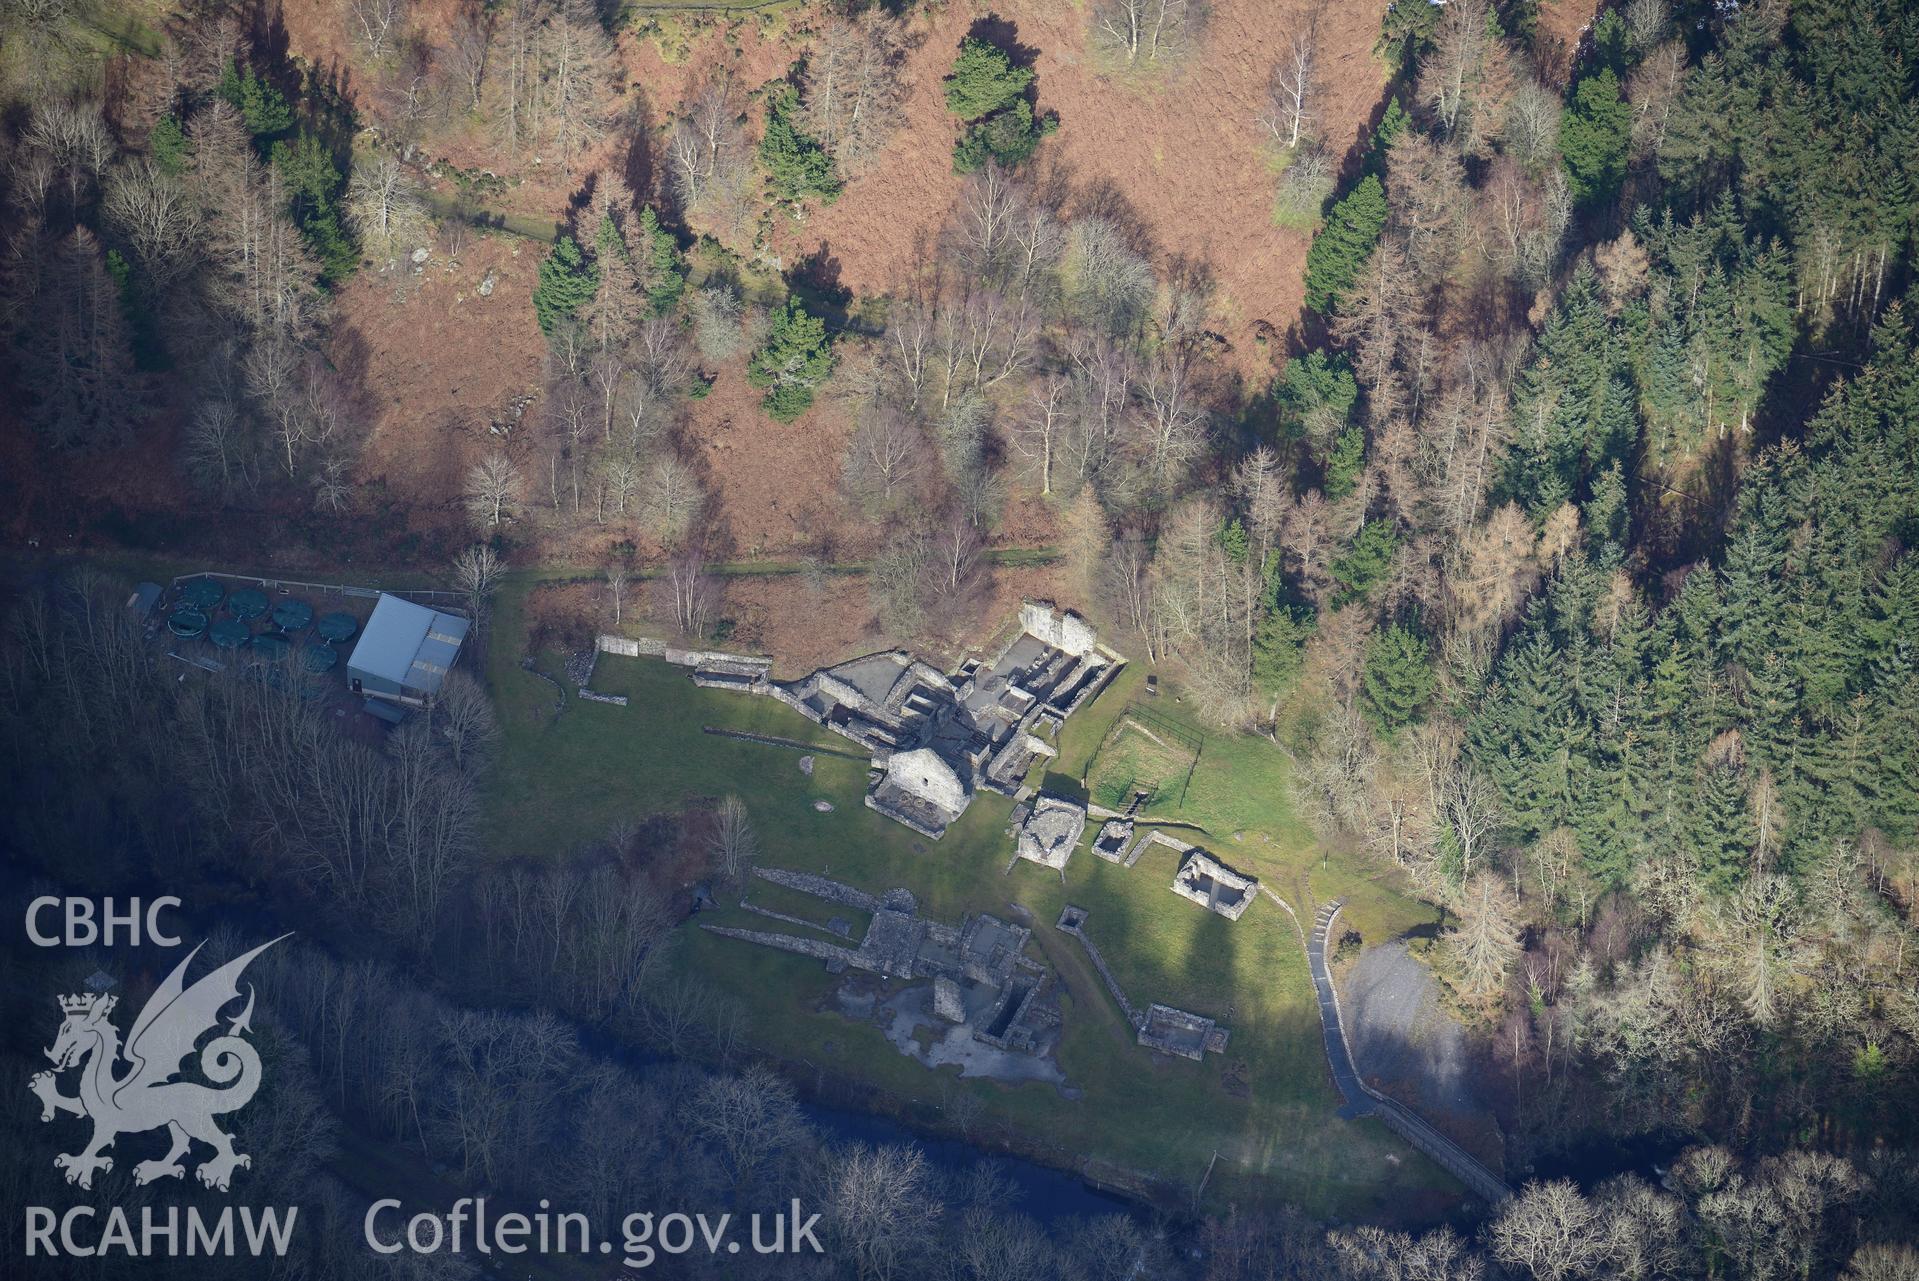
(409, 644)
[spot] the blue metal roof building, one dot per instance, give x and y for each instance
(405, 651)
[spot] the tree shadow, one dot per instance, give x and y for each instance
(1104, 198)
(816, 279)
(1003, 34)
(578, 204)
(639, 167)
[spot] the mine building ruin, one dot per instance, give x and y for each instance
(936, 739)
(1213, 885)
(1046, 830)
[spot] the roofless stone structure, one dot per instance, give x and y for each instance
(1213, 885)
(1047, 830)
(938, 738)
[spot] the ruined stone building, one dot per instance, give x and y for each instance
(937, 739)
(1047, 830)
(1213, 885)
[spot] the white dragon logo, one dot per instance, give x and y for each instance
(146, 1097)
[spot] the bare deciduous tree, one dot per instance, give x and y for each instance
(477, 572)
(884, 458)
(219, 453)
(492, 490)
(881, 1206)
(750, 1117)
(386, 206)
(1480, 951)
(1531, 128)
(467, 50)
(712, 170)
(717, 313)
(581, 73)
(463, 719)
(735, 844)
(1145, 34)
(691, 588)
(74, 139)
(1039, 429)
(850, 102)
(1108, 282)
(376, 25)
(956, 547)
(157, 215)
(1549, 1229)
(1292, 97)
(900, 581)
(1304, 186)
(1466, 78)
(672, 497)
(616, 577)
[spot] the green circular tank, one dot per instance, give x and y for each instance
(247, 604)
(228, 633)
(291, 615)
(320, 658)
(187, 623)
(202, 593)
(270, 647)
(337, 626)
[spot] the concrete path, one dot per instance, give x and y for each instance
(1361, 1100)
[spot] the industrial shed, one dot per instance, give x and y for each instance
(405, 651)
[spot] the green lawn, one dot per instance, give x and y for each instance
(564, 780)
(1136, 758)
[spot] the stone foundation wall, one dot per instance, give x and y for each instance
(820, 887)
(630, 646)
(650, 647)
(1162, 1020)
(1133, 1016)
(792, 943)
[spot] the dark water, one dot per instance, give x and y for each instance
(1042, 1193)
(1592, 1161)
(1045, 1194)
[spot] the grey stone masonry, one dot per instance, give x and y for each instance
(1047, 830)
(791, 943)
(820, 887)
(1214, 886)
(1070, 921)
(977, 724)
(1181, 1032)
(1111, 841)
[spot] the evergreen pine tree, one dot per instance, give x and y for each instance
(983, 80)
(662, 275)
(796, 165)
(1720, 832)
(796, 359)
(167, 143)
(1595, 134)
(567, 282)
(315, 187)
(1524, 738)
(1398, 678)
(1340, 249)
(262, 107)
(1345, 463)
(988, 93)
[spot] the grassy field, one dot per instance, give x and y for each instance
(1266, 1107)
(1136, 758)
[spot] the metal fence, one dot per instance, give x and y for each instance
(284, 585)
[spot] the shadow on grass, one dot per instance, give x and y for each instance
(1064, 785)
